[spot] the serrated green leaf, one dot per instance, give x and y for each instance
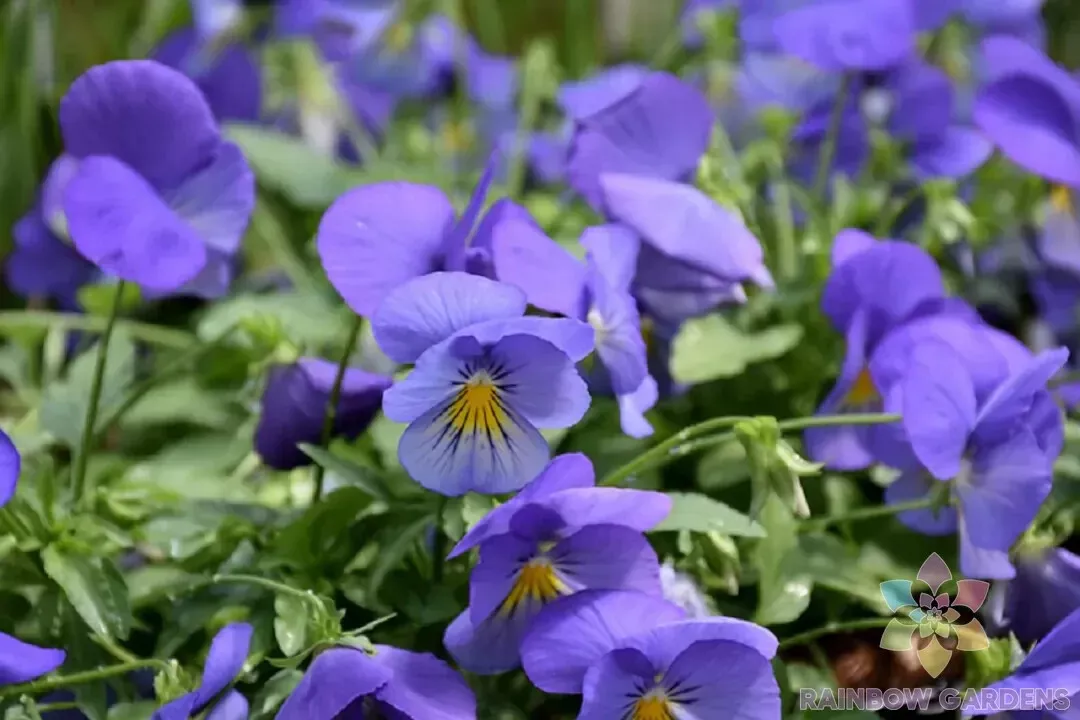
(701, 513)
(94, 587)
(710, 347)
(291, 624)
(784, 585)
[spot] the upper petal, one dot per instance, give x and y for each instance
(571, 336)
(217, 200)
(573, 633)
(22, 662)
(335, 679)
(376, 237)
(423, 686)
(118, 221)
(613, 249)
(607, 557)
(846, 35)
(959, 152)
(663, 644)
(587, 97)
(10, 463)
(226, 658)
(427, 310)
(1014, 398)
(540, 381)
(551, 278)
(938, 408)
(723, 678)
(147, 115)
(639, 510)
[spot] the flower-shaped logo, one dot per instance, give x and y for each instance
(940, 622)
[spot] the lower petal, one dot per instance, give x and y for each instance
(607, 557)
(633, 406)
(473, 443)
(915, 485)
(490, 647)
(22, 662)
(117, 221)
(615, 687)
(233, 706)
(335, 679)
(541, 382)
(720, 678)
(423, 686)
(218, 200)
(958, 153)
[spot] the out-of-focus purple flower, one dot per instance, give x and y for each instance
(555, 542)
(294, 405)
(659, 130)
(215, 17)
(695, 10)
(228, 77)
(771, 79)
(376, 237)
(1050, 670)
(341, 28)
(848, 35)
(226, 658)
(345, 682)
(1030, 109)
(999, 453)
(158, 197)
(1019, 18)
(407, 62)
(1045, 590)
(598, 292)
(485, 378)
(874, 287)
(634, 656)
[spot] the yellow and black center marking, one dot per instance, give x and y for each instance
(537, 583)
(654, 706)
(863, 392)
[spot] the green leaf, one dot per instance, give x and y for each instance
(274, 692)
(394, 553)
(141, 710)
(181, 401)
(710, 347)
(291, 623)
(288, 165)
(350, 473)
(315, 537)
(305, 318)
(700, 513)
(784, 585)
(94, 587)
(97, 299)
(63, 409)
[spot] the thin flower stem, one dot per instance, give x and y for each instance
(867, 513)
(787, 247)
(81, 678)
(330, 415)
(670, 449)
(833, 628)
(832, 137)
(272, 585)
(144, 332)
(83, 491)
(531, 97)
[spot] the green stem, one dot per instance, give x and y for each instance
(332, 404)
(80, 678)
(867, 513)
(145, 332)
(531, 97)
(828, 147)
(832, 628)
(271, 585)
(787, 250)
(438, 549)
(83, 491)
(669, 449)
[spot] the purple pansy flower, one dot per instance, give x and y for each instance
(347, 682)
(660, 130)
(1048, 676)
(341, 28)
(224, 661)
(228, 77)
(1045, 590)
(874, 287)
(1030, 109)
(556, 541)
(634, 656)
(158, 197)
(294, 405)
(485, 378)
(597, 292)
(214, 17)
(999, 452)
(848, 35)
(19, 662)
(376, 237)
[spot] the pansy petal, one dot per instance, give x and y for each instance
(681, 221)
(613, 685)
(664, 643)
(376, 237)
(1032, 126)
(571, 634)
(42, 264)
(145, 114)
(573, 337)
(633, 406)
(571, 470)
(179, 709)
(500, 582)
(492, 646)
(914, 485)
(541, 382)
(228, 77)
(233, 706)
(335, 679)
(959, 152)
(120, 223)
(620, 344)
(587, 97)
(1014, 398)
(10, 464)
(455, 448)
(551, 278)
(938, 408)
(457, 238)
(217, 201)
(226, 658)
(613, 249)
(1058, 648)
(722, 678)
(423, 686)
(661, 129)
(427, 310)
(848, 243)
(982, 562)
(22, 662)
(639, 510)
(843, 35)
(607, 557)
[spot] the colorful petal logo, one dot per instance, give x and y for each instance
(939, 622)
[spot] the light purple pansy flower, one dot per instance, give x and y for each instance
(1045, 590)
(226, 658)
(631, 655)
(158, 197)
(597, 291)
(848, 35)
(557, 541)
(347, 682)
(485, 379)
(1030, 109)
(228, 77)
(999, 452)
(341, 28)
(294, 405)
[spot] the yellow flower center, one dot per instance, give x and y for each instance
(863, 392)
(536, 583)
(478, 407)
(1061, 199)
(398, 37)
(654, 706)
(457, 136)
